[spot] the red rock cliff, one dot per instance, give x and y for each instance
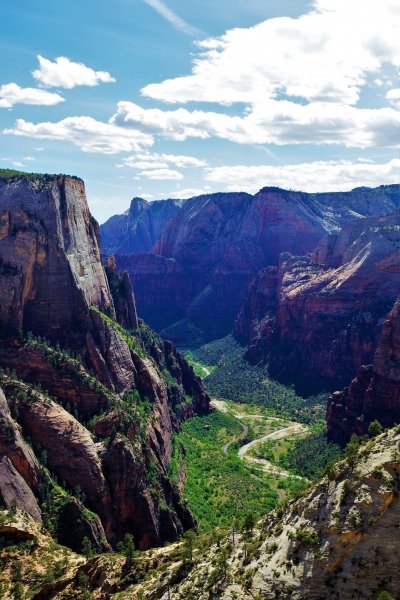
(105, 419)
(318, 317)
(375, 391)
(208, 253)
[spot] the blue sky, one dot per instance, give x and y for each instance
(165, 98)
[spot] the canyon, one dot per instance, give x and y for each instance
(338, 541)
(191, 284)
(92, 400)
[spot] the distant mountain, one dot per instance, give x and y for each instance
(139, 227)
(192, 283)
(314, 319)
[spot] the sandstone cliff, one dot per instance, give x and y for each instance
(375, 391)
(214, 245)
(316, 318)
(139, 227)
(100, 402)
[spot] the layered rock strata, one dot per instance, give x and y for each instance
(98, 400)
(193, 280)
(316, 318)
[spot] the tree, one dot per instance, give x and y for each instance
(249, 522)
(385, 596)
(189, 539)
(222, 565)
(87, 548)
(127, 546)
(374, 428)
(352, 450)
(13, 507)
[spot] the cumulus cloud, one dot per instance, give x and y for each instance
(161, 174)
(160, 161)
(322, 56)
(65, 73)
(170, 16)
(11, 94)
(86, 133)
(295, 81)
(190, 192)
(276, 122)
(175, 124)
(273, 122)
(319, 176)
(394, 97)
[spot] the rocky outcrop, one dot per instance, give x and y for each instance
(139, 227)
(96, 392)
(374, 394)
(316, 318)
(19, 469)
(338, 541)
(195, 277)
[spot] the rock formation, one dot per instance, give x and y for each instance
(374, 394)
(99, 403)
(193, 280)
(316, 318)
(139, 227)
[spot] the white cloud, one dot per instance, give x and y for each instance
(277, 122)
(394, 97)
(161, 161)
(11, 94)
(322, 56)
(87, 133)
(320, 176)
(273, 122)
(175, 125)
(65, 73)
(172, 17)
(190, 192)
(161, 174)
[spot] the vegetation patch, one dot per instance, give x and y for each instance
(130, 339)
(234, 378)
(219, 486)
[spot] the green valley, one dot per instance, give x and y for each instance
(261, 444)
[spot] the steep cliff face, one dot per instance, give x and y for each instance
(315, 319)
(219, 242)
(139, 227)
(375, 391)
(50, 259)
(109, 398)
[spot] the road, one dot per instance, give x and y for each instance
(278, 434)
(262, 463)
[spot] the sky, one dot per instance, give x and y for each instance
(172, 99)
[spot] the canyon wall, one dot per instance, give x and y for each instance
(212, 248)
(314, 319)
(374, 393)
(100, 402)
